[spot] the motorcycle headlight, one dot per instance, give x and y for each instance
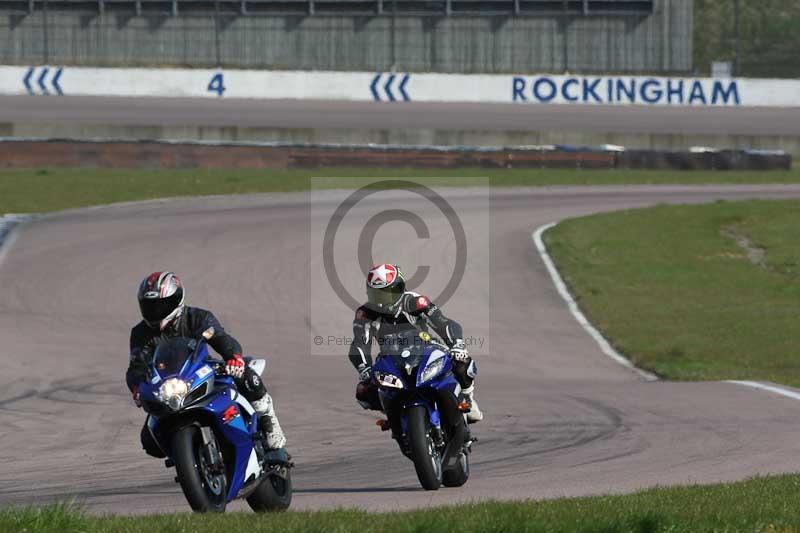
(172, 392)
(389, 380)
(432, 370)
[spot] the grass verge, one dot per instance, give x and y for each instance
(761, 504)
(692, 292)
(42, 190)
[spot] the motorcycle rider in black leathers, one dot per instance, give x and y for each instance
(161, 301)
(391, 309)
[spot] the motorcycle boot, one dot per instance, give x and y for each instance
(268, 422)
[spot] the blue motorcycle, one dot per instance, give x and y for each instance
(209, 432)
(419, 395)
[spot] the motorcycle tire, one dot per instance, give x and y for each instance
(274, 493)
(204, 496)
(427, 461)
(459, 474)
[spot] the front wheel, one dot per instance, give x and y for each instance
(274, 493)
(427, 461)
(204, 489)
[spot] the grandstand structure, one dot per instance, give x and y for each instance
(435, 8)
(465, 36)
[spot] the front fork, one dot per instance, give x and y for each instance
(457, 440)
(438, 437)
(211, 452)
(399, 426)
(395, 407)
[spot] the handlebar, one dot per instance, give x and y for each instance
(219, 368)
(444, 347)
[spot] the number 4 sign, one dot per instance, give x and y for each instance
(217, 84)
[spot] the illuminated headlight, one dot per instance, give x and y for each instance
(389, 380)
(432, 370)
(172, 392)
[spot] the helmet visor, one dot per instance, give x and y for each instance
(385, 297)
(154, 310)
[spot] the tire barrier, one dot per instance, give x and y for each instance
(705, 160)
(27, 153)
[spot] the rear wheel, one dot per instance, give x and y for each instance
(459, 474)
(427, 461)
(274, 493)
(204, 489)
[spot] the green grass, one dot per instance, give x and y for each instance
(674, 291)
(43, 190)
(761, 504)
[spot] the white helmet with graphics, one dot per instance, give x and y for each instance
(161, 298)
(385, 288)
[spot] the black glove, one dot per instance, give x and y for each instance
(459, 352)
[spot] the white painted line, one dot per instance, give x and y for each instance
(770, 388)
(605, 346)
(9, 228)
(6, 245)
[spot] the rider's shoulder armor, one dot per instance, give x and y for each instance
(417, 304)
(194, 321)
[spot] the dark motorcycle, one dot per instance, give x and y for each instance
(419, 395)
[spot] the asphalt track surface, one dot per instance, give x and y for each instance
(562, 419)
(305, 114)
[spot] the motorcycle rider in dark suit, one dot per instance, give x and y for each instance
(161, 301)
(390, 309)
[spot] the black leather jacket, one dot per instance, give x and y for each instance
(192, 323)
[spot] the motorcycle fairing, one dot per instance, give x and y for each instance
(238, 433)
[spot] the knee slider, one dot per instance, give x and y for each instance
(465, 372)
(252, 385)
(472, 368)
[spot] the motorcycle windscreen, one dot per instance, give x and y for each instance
(171, 355)
(405, 349)
(404, 341)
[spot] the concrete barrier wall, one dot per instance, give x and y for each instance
(391, 87)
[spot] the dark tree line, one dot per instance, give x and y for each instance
(761, 37)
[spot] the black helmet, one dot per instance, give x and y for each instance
(385, 288)
(161, 299)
